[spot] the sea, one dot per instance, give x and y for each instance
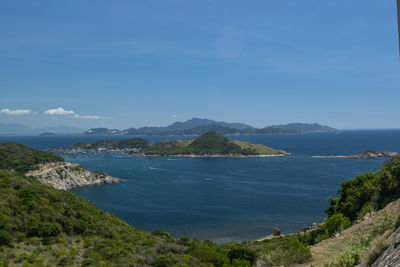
(227, 199)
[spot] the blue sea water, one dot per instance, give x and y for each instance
(227, 199)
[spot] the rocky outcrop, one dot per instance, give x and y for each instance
(391, 256)
(66, 175)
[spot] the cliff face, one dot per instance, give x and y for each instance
(391, 256)
(66, 175)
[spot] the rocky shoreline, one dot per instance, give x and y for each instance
(66, 175)
(363, 155)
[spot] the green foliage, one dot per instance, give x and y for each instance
(5, 238)
(368, 192)
(242, 254)
(335, 224)
(286, 251)
(209, 254)
(213, 143)
(21, 158)
(332, 225)
(45, 229)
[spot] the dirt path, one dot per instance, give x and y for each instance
(327, 250)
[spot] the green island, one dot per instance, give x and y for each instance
(42, 226)
(210, 144)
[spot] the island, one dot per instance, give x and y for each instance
(47, 134)
(368, 154)
(210, 144)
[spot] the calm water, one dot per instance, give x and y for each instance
(227, 199)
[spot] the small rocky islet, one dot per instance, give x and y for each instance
(368, 154)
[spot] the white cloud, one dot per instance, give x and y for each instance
(174, 116)
(15, 111)
(59, 111)
(89, 117)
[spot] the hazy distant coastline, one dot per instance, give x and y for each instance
(192, 127)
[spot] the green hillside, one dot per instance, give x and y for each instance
(21, 158)
(210, 143)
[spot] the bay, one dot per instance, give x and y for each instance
(227, 199)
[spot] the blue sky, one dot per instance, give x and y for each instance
(133, 63)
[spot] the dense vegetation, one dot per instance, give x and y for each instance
(21, 158)
(368, 191)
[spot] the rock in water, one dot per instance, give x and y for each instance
(276, 232)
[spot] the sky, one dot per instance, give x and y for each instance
(121, 64)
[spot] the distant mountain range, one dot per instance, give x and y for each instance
(19, 129)
(198, 126)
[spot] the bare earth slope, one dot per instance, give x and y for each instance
(328, 250)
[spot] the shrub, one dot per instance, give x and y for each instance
(208, 255)
(335, 224)
(242, 254)
(5, 238)
(45, 229)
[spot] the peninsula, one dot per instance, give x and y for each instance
(48, 168)
(210, 144)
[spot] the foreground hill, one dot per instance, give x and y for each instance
(42, 226)
(206, 145)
